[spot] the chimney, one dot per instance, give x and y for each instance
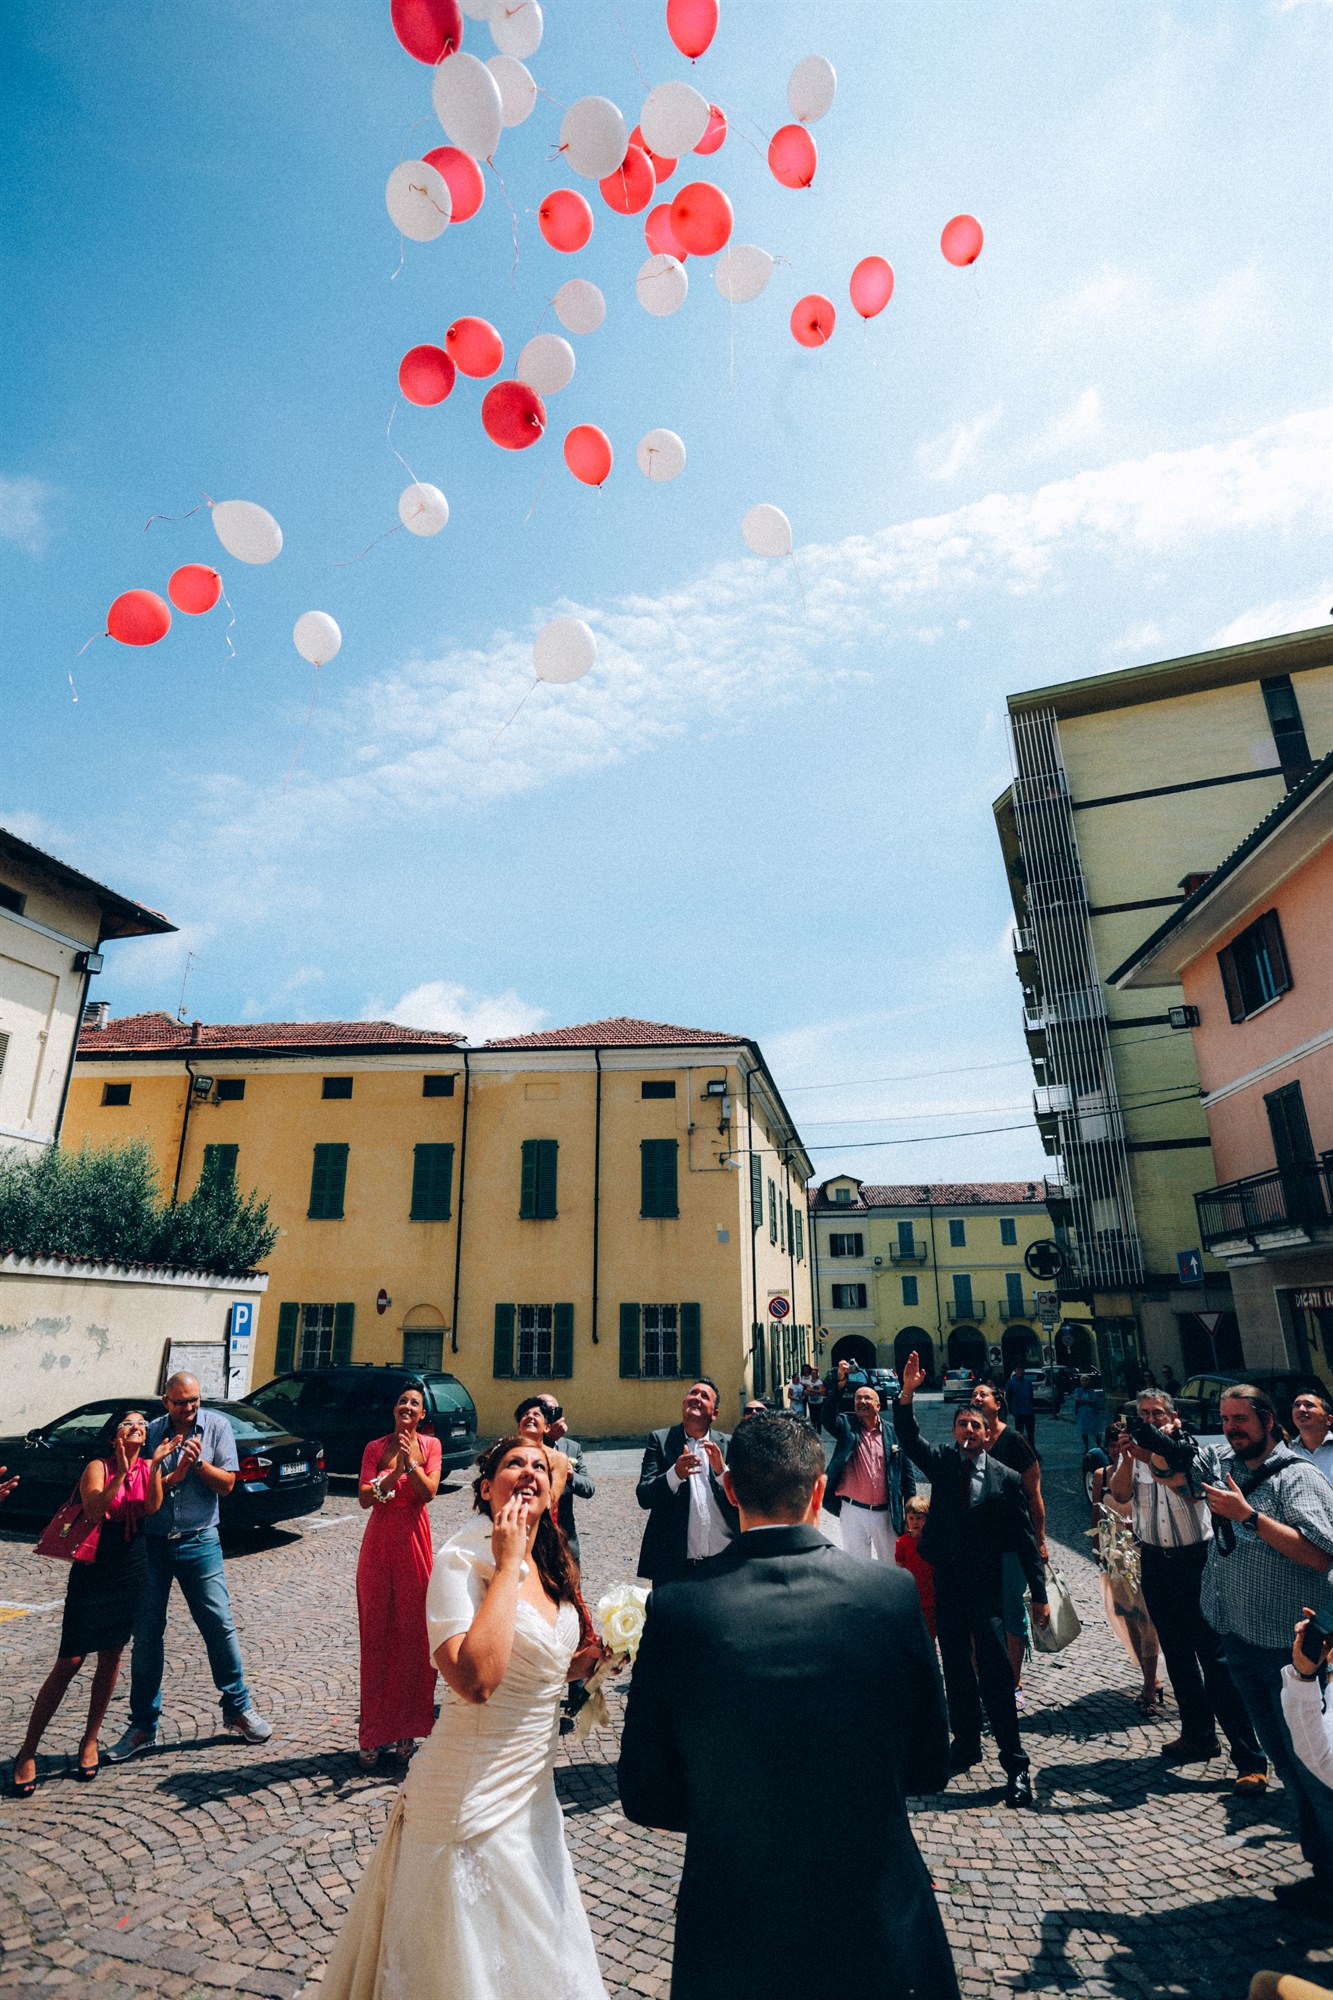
(97, 1014)
(196, 1032)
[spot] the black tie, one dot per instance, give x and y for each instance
(967, 1484)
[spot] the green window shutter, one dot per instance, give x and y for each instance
(220, 1165)
(658, 1193)
(772, 1212)
(562, 1340)
(289, 1316)
(757, 1356)
(548, 1154)
(798, 1222)
(504, 1341)
(527, 1186)
(432, 1178)
(756, 1192)
(343, 1316)
(690, 1344)
(629, 1340)
(328, 1181)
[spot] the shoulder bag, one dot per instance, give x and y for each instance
(70, 1536)
(1063, 1626)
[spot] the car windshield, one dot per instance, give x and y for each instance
(450, 1395)
(82, 1426)
(277, 1399)
(249, 1425)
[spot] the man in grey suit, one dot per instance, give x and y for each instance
(680, 1489)
(735, 1659)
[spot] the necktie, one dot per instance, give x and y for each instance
(966, 1493)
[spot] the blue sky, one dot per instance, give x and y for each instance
(1106, 443)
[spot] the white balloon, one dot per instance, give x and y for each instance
(579, 306)
(661, 455)
(516, 28)
(674, 119)
(546, 364)
(317, 637)
(518, 92)
(810, 88)
(418, 201)
(564, 650)
(247, 532)
(477, 10)
(742, 272)
(662, 284)
(594, 137)
(767, 531)
(467, 103)
(422, 509)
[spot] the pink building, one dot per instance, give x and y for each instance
(1252, 946)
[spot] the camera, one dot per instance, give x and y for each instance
(1316, 1638)
(1178, 1451)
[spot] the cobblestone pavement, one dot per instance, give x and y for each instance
(208, 1867)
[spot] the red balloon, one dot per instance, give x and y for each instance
(872, 286)
(662, 167)
(812, 319)
(138, 618)
(792, 157)
(426, 374)
(428, 29)
(467, 185)
(692, 25)
(565, 220)
(659, 235)
(631, 186)
(513, 415)
(475, 346)
(714, 132)
(701, 218)
(961, 240)
(194, 588)
(588, 454)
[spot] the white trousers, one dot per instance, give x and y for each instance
(866, 1534)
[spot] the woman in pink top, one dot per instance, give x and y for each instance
(400, 1476)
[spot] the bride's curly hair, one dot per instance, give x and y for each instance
(550, 1551)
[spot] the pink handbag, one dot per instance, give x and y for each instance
(70, 1536)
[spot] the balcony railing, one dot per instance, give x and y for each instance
(1282, 1205)
(915, 1253)
(1018, 1308)
(970, 1310)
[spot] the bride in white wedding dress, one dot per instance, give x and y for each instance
(471, 1893)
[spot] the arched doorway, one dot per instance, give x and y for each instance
(967, 1349)
(1073, 1346)
(423, 1338)
(1020, 1343)
(915, 1339)
(854, 1347)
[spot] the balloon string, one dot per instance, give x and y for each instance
(791, 557)
(412, 128)
(630, 46)
(535, 498)
(731, 337)
(513, 218)
(171, 517)
(388, 432)
(981, 316)
(551, 100)
(402, 252)
(504, 725)
(414, 188)
(78, 656)
(230, 622)
(314, 692)
(375, 544)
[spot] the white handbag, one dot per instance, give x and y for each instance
(1063, 1625)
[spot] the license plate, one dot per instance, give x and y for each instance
(293, 1471)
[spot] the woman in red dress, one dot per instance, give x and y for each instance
(399, 1479)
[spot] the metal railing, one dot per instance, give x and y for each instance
(1276, 1203)
(972, 1310)
(899, 1254)
(1018, 1308)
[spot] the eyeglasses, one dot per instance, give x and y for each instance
(183, 1402)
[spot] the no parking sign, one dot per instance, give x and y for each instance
(779, 1306)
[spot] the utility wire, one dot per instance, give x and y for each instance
(963, 1069)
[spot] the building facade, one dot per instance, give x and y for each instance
(1252, 951)
(611, 1207)
(1129, 789)
(936, 1268)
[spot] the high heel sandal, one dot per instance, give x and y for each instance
(1148, 1701)
(18, 1791)
(85, 1773)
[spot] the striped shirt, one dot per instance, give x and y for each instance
(1254, 1593)
(1164, 1518)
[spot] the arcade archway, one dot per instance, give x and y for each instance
(915, 1339)
(967, 1349)
(854, 1347)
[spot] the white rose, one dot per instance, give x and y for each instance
(619, 1618)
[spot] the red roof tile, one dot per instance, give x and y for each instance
(160, 1033)
(939, 1194)
(622, 1032)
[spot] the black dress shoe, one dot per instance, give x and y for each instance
(1018, 1791)
(1310, 1897)
(962, 1756)
(1179, 1751)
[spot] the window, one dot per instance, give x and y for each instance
(536, 1190)
(798, 1223)
(423, 1348)
(842, 1194)
(12, 899)
(782, 1238)
(534, 1341)
(962, 1294)
(911, 1288)
(772, 1212)
(231, 1089)
(791, 1228)
(437, 1086)
(4, 1051)
(115, 1093)
(337, 1086)
(220, 1165)
(328, 1181)
(432, 1179)
(756, 1191)
(1013, 1290)
(907, 1239)
(316, 1337)
(847, 1298)
(658, 1341)
(651, 1088)
(1254, 967)
(957, 1233)
(313, 1336)
(657, 1173)
(847, 1245)
(1284, 719)
(1008, 1229)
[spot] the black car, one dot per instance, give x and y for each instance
(1199, 1401)
(347, 1407)
(281, 1475)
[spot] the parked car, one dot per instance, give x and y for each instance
(1199, 1400)
(281, 1477)
(885, 1382)
(958, 1385)
(347, 1407)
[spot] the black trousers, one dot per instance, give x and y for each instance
(1027, 1427)
(1205, 1693)
(966, 1617)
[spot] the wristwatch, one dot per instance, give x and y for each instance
(1251, 1521)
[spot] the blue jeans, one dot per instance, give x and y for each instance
(195, 1562)
(1257, 1673)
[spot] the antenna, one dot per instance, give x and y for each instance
(180, 1005)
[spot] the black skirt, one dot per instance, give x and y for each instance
(102, 1596)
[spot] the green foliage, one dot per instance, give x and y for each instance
(106, 1205)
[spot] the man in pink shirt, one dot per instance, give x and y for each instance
(869, 1480)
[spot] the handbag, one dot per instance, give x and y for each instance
(69, 1536)
(1063, 1625)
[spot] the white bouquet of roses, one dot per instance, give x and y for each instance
(618, 1620)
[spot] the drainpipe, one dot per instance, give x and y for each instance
(749, 1203)
(939, 1309)
(185, 1126)
(73, 1055)
(596, 1190)
(458, 1226)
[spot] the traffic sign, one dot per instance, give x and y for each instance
(1048, 1308)
(1210, 1322)
(778, 1306)
(1189, 1263)
(382, 1301)
(1044, 1259)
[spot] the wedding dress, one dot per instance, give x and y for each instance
(471, 1893)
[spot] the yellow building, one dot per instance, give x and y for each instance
(1129, 789)
(936, 1268)
(616, 1206)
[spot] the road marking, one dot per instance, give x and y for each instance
(18, 1610)
(328, 1521)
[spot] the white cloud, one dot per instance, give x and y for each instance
(22, 511)
(446, 1006)
(285, 1002)
(1077, 425)
(943, 457)
(1140, 642)
(1290, 614)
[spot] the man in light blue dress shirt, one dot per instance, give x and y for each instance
(197, 1451)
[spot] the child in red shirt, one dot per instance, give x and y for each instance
(908, 1556)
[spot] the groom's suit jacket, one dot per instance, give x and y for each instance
(663, 1553)
(780, 1634)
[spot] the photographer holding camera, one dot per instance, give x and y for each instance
(1155, 1471)
(1304, 1708)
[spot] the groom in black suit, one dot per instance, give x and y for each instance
(738, 1662)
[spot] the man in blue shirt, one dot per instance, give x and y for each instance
(197, 1453)
(1022, 1403)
